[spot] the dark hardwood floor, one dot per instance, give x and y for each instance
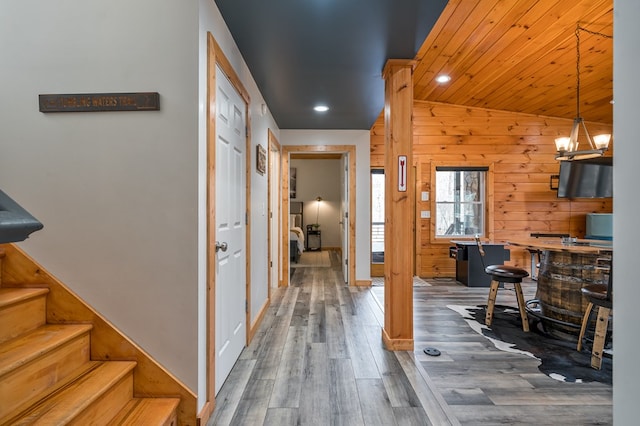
(318, 360)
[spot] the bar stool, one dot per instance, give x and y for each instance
(600, 296)
(501, 274)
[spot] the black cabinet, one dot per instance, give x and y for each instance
(469, 269)
(314, 239)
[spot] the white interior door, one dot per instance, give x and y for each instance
(230, 187)
(344, 216)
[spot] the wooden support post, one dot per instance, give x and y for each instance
(397, 333)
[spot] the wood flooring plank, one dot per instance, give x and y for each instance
(465, 396)
(252, 408)
(300, 315)
(288, 302)
(281, 417)
(278, 297)
(363, 313)
(376, 409)
(288, 383)
(268, 359)
(336, 341)
(436, 408)
(411, 416)
(314, 398)
(522, 397)
(538, 414)
(231, 392)
(363, 361)
(399, 390)
(317, 327)
(343, 394)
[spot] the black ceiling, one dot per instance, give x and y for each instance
(307, 52)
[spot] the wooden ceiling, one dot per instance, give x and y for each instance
(518, 55)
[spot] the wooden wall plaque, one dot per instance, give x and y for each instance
(93, 102)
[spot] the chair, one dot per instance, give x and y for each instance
(501, 274)
(600, 296)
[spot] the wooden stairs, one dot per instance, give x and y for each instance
(49, 376)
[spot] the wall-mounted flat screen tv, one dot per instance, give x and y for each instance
(592, 178)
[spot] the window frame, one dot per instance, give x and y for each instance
(488, 202)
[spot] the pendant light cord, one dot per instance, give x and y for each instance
(578, 29)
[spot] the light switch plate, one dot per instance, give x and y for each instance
(425, 214)
(425, 196)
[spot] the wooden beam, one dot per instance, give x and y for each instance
(397, 333)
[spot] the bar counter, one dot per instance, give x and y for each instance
(598, 247)
(564, 269)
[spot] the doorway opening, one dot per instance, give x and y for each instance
(377, 222)
(337, 213)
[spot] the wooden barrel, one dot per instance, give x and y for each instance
(562, 275)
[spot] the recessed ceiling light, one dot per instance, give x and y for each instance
(443, 78)
(321, 108)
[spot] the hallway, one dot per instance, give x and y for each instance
(318, 360)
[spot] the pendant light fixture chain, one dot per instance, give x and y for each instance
(567, 147)
(578, 29)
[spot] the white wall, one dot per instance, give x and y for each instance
(117, 191)
(626, 230)
(320, 178)
(211, 21)
(122, 195)
(360, 139)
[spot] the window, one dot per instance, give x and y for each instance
(377, 216)
(460, 201)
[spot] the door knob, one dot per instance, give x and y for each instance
(221, 246)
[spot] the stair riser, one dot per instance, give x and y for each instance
(26, 384)
(22, 317)
(103, 409)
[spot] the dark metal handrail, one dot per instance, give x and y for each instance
(16, 224)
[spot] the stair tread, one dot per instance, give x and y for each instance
(72, 400)
(16, 409)
(10, 296)
(147, 411)
(23, 349)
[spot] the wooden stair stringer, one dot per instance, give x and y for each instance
(150, 379)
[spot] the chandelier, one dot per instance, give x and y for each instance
(567, 147)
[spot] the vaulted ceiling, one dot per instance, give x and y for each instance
(521, 56)
(513, 55)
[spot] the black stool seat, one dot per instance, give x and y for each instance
(506, 273)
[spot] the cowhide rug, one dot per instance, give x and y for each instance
(558, 358)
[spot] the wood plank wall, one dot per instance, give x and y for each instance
(521, 149)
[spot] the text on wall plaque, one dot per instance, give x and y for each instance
(90, 102)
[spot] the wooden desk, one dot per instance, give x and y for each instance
(564, 270)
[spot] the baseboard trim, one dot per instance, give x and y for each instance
(396, 344)
(205, 414)
(257, 321)
(363, 283)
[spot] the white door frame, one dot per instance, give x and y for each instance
(215, 56)
(318, 149)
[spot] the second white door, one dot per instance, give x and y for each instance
(230, 187)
